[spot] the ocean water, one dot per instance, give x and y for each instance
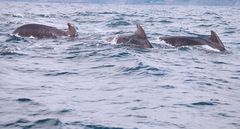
(88, 83)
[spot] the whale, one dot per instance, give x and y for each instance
(137, 39)
(43, 31)
(212, 40)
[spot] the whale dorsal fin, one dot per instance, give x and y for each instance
(215, 38)
(140, 32)
(71, 30)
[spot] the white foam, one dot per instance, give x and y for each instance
(17, 35)
(111, 40)
(31, 37)
(210, 48)
(114, 41)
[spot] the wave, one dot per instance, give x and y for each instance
(118, 23)
(93, 126)
(141, 69)
(58, 73)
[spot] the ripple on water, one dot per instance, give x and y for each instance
(16, 39)
(142, 69)
(168, 87)
(224, 115)
(63, 111)
(92, 126)
(230, 32)
(205, 103)
(20, 123)
(8, 51)
(236, 124)
(118, 23)
(113, 12)
(120, 55)
(165, 21)
(46, 15)
(100, 127)
(13, 15)
(48, 123)
(58, 73)
(11, 50)
(206, 26)
(27, 101)
(210, 13)
(219, 62)
(212, 102)
(24, 100)
(86, 13)
(102, 66)
(161, 21)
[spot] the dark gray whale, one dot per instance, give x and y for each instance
(44, 31)
(138, 39)
(213, 41)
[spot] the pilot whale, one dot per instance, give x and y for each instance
(43, 31)
(138, 39)
(213, 41)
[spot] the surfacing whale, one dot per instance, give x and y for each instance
(43, 31)
(213, 41)
(138, 39)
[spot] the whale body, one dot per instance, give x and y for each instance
(213, 41)
(138, 39)
(43, 31)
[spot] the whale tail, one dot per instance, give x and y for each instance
(217, 43)
(140, 32)
(71, 31)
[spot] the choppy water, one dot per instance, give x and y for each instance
(89, 83)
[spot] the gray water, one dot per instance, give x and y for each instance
(92, 84)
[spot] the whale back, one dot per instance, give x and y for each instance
(39, 31)
(179, 41)
(44, 31)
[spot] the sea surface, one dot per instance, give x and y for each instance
(89, 83)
